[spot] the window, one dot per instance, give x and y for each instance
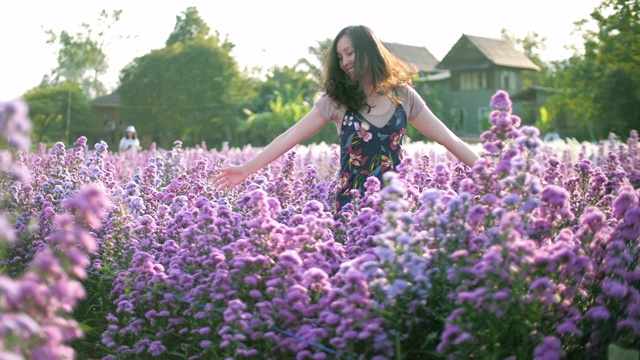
(483, 115)
(508, 80)
(473, 80)
(458, 116)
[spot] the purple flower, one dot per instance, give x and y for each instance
(156, 348)
(599, 313)
(90, 205)
(568, 327)
(555, 195)
(501, 100)
(465, 336)
(626, 200)
(477, 213)
(549, 349)
(615, 288)
(491, 148)
(15, 125)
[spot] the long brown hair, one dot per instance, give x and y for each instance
(388, 72)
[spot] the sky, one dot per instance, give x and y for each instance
(272, 32)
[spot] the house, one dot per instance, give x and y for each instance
(106, 116)
(471, 73)
(419, 56)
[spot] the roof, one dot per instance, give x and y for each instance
(497, 52)
(111, 100)
(416, 55)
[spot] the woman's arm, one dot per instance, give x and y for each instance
(428, 124)
(307, 126)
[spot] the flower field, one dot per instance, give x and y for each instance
(531, 254)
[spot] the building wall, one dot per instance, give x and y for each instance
(469, 109)
(107, 121)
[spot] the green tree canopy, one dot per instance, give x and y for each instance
(81, 57)
(602, 86)
(188, 27)
(53, 108)
(190, 91)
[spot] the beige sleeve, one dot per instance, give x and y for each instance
(412, 101)
(329, 109)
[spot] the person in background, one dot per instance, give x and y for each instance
(369, 97)
(130, 142)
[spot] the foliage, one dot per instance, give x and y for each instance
(288, 83)
(431, 93)
(315, 67)
(40, 275)
(59, 114)
(192, 92)
(289, 94)
(261, 128)
(81, 57)
(188, 27)
(602, 87)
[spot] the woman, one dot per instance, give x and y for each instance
(129, 142)
(368, 95)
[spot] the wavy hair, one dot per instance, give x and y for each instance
(387, 71)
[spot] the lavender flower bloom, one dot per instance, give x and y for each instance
(549, 349)
(568, 327)
(555, 195)
(90, 205)
(6, 229)
(156, 348)
(615, 288)
(15, 125)
(626, 200)
(599, 313)
(501, 101)
(491, 148)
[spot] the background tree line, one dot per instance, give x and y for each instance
(193, 90)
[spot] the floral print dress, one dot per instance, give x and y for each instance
(367, 150)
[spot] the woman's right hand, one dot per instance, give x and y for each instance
(229, 177)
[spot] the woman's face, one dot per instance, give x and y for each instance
(346, 55)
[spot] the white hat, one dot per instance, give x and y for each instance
(130, 128)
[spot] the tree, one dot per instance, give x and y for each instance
(602, 86)
(51, 107)
(81, 57)
(284, 97)
(190, 90)
(315, 67)
(286, 82)
(262, 127)
(188, 27)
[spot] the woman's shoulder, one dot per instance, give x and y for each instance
(329, 108)
(412, 101)
(406, 90)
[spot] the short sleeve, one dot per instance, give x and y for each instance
(329, 109)
(412, 101)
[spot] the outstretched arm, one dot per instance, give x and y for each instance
(428, 124)
(307, 126)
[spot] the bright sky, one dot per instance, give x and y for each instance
(273, 32)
